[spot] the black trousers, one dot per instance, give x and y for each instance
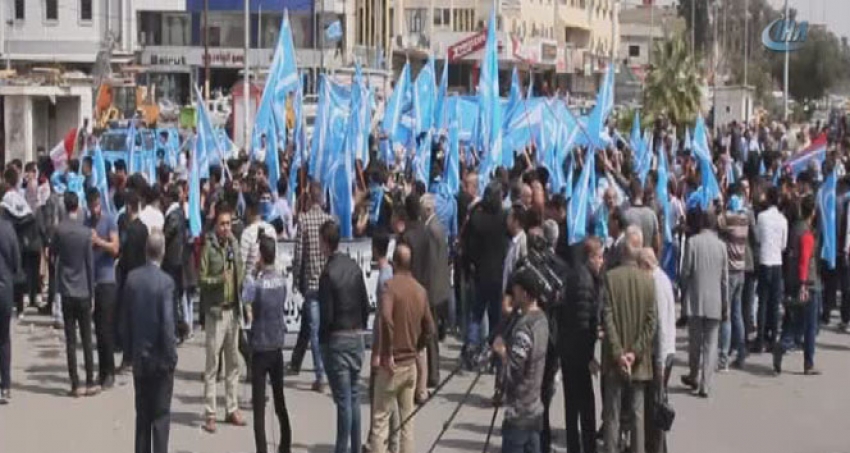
(31, 263)
(153, 411)
(176, 274)
(269, 363)
(5, 344)
(579, 399)
(104, 329)
(76, 311)
(51, 281)
(831, 283)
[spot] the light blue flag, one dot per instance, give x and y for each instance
(580, 201)
(568, 191)
(330, 129)
(827, 211)
(424, 98)
(195, 187)
(334, 31)
(604, 105)
(523, 126)
(762, 170)
(422, 159)
(356, 141)
(209, 151)
(451, 170)
(366, 123)
(662, 194)
(272, 161)
(490, 111)
(300, 146)
(400, 101)
(711, 189)
(530, 92)
(514, 97)
(689, 145)
(635, 140)
(341, 197)
(441, 119)
(645, 163)
(131, 148)
(100, 179)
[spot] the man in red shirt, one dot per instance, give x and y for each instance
(802, 290)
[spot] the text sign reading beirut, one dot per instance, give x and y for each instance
(785, 35)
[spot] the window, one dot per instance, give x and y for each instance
(19, 10)
(51, 9)
(634, 51)
(447, 13)
(438, 17)
(415, 19)
(85, 10)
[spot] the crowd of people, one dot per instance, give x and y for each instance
(497, 267)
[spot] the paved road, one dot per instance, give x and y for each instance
(751, 411)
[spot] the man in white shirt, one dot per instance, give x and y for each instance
(151, 215)
(772, 227)
(249, 246)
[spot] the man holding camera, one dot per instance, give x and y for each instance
(220, 282)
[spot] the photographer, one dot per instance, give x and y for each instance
(524, 354)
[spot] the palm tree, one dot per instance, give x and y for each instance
(673, 84)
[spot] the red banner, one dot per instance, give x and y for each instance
(467, 46)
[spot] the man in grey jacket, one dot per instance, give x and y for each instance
(75, 279)
(705, 276)
(10, 263)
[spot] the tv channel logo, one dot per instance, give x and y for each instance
(784, 35)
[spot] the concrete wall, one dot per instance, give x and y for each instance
(18, 124)
(29, 123)
(68, 38)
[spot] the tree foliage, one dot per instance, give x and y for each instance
(673, 84)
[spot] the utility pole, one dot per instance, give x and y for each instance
(651, 32)
(694, 28)
(746, 42)
(714, 59)
(206, 51)
(246, 79)
(787, 31)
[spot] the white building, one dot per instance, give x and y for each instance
(640, 28)
(562, 43)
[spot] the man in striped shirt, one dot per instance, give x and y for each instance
(307, 265)
(735, 228)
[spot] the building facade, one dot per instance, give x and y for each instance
(563, 45)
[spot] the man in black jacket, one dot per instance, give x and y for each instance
(172, 263)
(75, 277)
(10, 263)
(132, 256)
(344, 313)
(153, 345)
(578, 330)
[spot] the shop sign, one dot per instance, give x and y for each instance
(167, 60)
(467, 46)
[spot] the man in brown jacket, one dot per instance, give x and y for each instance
(629, 317)
(405, 327)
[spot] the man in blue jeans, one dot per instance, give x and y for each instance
(804, 289)
(735, 228)
(307, 265)
(343, 315)
(772, 231)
